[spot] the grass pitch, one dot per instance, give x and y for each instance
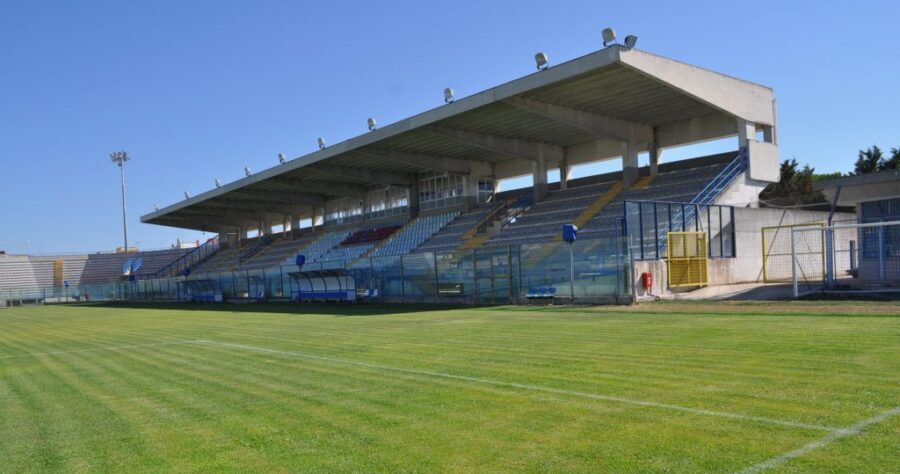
(664, 387)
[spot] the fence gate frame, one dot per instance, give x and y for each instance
(785, 232)
(687, 259)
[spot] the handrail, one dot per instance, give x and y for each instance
(704, 198)
(520, 205)
(187, 259)
(724, 178)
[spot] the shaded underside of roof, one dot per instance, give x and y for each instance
(598, 84)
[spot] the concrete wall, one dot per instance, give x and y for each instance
(746, 267)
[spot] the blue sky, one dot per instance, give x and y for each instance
(197, 90)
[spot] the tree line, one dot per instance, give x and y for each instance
(795, 185)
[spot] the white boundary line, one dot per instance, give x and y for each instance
(498, 383)
(853, 430)
(94, 349)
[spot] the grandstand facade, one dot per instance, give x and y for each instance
(412, 211)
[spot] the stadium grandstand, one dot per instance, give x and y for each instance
(414, 210)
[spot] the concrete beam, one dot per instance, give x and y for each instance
(512, 147)
(260, 207)
(608, 127)
(441, 164)
(383, 178)
(320, 187)
(280, 197)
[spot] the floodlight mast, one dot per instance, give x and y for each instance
(119, 158)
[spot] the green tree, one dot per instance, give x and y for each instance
(892, 163)
(870, 160)
(795, 186)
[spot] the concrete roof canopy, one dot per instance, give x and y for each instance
(585, 109)
(862, 188)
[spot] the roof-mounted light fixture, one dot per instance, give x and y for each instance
(321, 143)
(630, 41)
(448, 96)
(542, 61)
(372, 124)
(247, 171)
(156, 207)
(281, 158)
(218, 183)
(609, 36)
(187, 195)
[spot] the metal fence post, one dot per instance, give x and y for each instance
(794, 265)
(881, 272)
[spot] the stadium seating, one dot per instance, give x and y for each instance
(678, 186)
(321, 246)
(103, 267)
(543, 221)
(278, 253)
(450, 237)
(414, 234)
(17, 273)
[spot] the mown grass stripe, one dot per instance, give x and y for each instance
(499, 383)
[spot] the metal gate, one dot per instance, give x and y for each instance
(809, 248)
(687, 260)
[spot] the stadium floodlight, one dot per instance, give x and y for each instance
(609, 36)
(119, 158)
(542, 61)
(448, 96)
(372, 124)
(156, 207)
(321, 143)
(187, 195)
(218, 183)
(247, 171)
(281, 158)
(630, 41)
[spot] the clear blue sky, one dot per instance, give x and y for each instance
(197, 90)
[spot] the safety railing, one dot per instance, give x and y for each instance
(599, 271)
(189, 259)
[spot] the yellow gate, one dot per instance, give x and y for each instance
(687, 259)
(776, 252)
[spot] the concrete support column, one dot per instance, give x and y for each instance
(413, 198)
(655, 155)
(364, 203)
(769, 134)
(746, 132)
(470, 192)
(630, 164)
(313, 218)
(539, 171)
(564, 173)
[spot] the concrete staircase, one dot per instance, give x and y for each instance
(602, 202)
(472, 239)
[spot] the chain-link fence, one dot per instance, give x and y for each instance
(854, 258)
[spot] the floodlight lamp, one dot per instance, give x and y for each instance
(609, 36)
(630, 41)
(321, 143)
(372, 124)
(281, 158)
(156, 207)
(247, 171)
(448, 96)
(187, 195)
(542, 61)
(119, 157)
(218, 183)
